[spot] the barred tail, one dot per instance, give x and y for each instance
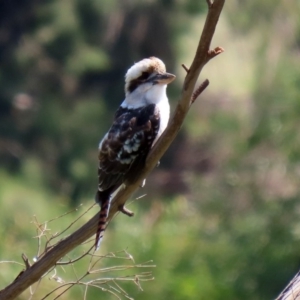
(104, 210)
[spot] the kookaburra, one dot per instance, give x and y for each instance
(138, 123)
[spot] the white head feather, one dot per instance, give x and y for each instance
(150, 65)
(146, 82)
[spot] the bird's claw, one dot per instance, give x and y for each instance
(125, 211)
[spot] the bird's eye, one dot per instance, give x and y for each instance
(144, 76)
(136, 82)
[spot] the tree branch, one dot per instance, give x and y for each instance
(292, 291)
(49, 259)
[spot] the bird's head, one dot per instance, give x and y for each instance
(145, 75)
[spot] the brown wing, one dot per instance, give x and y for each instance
(123, 150)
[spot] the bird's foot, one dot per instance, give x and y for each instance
(125, 211)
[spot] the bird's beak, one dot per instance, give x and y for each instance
(164, 78)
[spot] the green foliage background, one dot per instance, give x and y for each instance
(221, 218)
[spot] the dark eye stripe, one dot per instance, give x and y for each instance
(144, 76)
(136, 82)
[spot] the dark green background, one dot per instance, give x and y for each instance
(221, 218)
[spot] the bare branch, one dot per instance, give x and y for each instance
(49, 259)
(292, 291)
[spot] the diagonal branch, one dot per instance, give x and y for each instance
(292, 290)
(202, 56)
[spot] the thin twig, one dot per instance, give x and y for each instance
(11, 262)
(199, 90)
(72, 223)
(71, 261)
(64, 214)
(26, 261)
(185, 68)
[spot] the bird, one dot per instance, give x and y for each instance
(138, 123)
